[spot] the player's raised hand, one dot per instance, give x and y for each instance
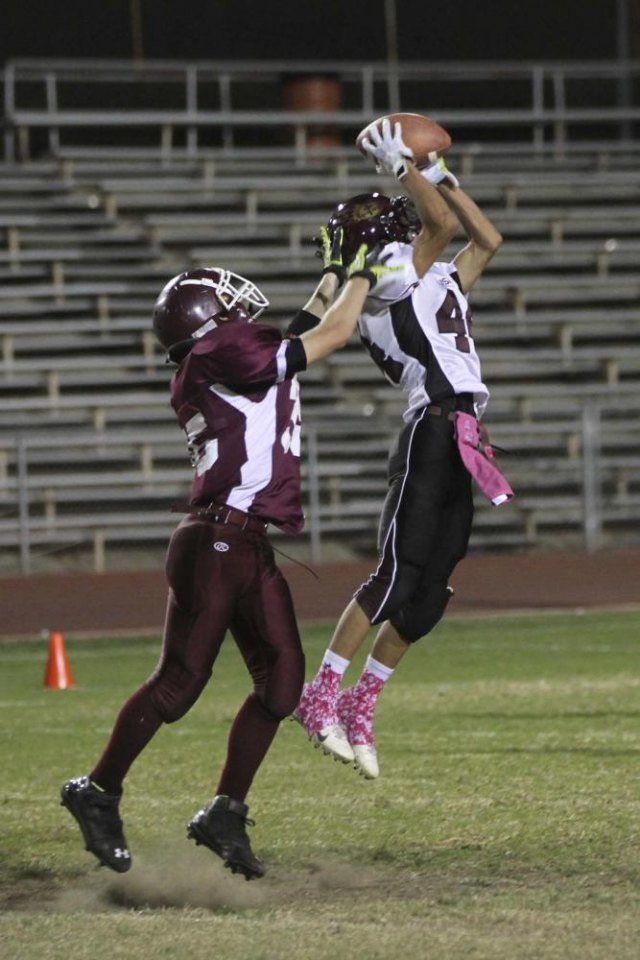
(330, 249)
(388, 149)
(365, 264)
(438, 173)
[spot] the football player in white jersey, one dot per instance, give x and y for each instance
(416, 323)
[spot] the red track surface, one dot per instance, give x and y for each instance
(135, 601)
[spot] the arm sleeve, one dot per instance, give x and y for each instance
(301, 323)
(296, 358)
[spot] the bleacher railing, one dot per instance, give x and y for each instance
(92, 531)
(179, 107)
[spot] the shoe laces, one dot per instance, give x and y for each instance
(236, 821)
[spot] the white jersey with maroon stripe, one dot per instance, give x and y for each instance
(418, 332)
(237, 399)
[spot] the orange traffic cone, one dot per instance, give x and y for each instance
(58, 673)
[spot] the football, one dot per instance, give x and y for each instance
(425, 136)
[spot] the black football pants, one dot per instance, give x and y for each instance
(424, 527)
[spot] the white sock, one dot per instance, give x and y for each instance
(335, 662)
(377, 669)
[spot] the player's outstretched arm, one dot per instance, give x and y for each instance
(338, 323)
(484, 239)
(333, 275)
(340, 320)
(333, 272)
(323, 295)
(439, 224)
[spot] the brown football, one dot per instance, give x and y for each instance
(425, 136)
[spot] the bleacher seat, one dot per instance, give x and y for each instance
(88, 238)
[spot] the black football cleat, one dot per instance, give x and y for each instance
(221, 826)
(99, 820)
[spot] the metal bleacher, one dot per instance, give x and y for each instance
(90, 456)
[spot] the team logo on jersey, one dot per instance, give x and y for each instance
(220, 546)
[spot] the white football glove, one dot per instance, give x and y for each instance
(389, 151)
(438, 172)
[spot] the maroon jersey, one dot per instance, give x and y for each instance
(237, 399)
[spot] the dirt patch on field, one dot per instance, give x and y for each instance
(178, 878)
(191, 883)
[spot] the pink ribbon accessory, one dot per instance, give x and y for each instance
(480, 463)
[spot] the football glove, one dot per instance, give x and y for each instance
(330, 249)
(389, 151)
(364, 265)
(438, 172)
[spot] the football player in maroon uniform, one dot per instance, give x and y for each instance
(416, 324)
(235, 395)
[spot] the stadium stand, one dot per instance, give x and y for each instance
(90, 459)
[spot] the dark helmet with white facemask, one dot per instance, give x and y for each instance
(196, 301)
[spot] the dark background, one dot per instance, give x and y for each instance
(315, 29)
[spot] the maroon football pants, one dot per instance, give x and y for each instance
(220, 578)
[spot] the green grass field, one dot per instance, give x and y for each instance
(505, 823)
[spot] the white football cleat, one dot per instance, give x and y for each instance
(317, 717)
(333, 741)
(366, 760)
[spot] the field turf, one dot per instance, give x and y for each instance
(505, 823)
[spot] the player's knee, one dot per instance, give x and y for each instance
(283, 706)
(279, 699)
(174, 690)
(405, 583)
(418, 618)
(275, 708)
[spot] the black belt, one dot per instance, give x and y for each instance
(221, 513)
(447, 406)
(435, 411)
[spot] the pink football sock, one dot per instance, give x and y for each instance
(356, 707)
(317, 707)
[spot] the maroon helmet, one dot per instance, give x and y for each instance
(194, 302)
(374, 219)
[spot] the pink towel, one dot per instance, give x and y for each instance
(480, 465)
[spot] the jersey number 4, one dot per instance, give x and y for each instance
(451, 319)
